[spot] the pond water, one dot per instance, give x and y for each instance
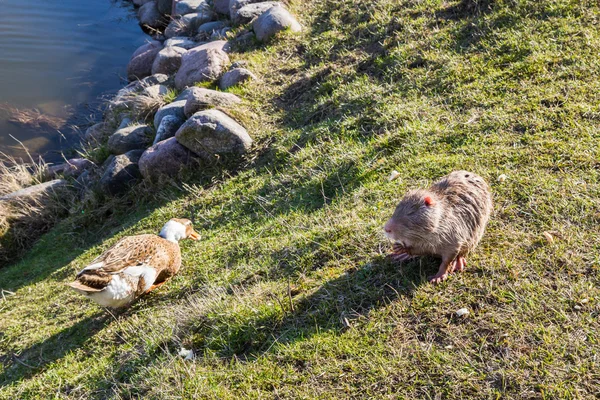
(58, 59)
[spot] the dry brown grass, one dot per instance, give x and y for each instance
(23, 221)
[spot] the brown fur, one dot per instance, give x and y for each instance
(449, 227)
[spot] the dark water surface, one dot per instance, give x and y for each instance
(58, 58)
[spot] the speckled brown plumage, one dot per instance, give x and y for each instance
(132, 251)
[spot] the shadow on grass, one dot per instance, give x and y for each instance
(34, 359)
(334, 307)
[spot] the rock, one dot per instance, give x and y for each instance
(164, 6)
(222, 45)
(126, 98)
(132, 137)
(272, 21)
(183, 42)
(236, 5)
(244, 39)
(200, 65)
(201, 98)
(168, 60)
(125, 122)
(185, 94)
(121, 172)
(213, 133)
(141, 2)
(167, 128)
(250, 11)
(175, 108)
(221, 6)
(209, 27)
(220, 34)
(238, 64)
(36, 193)
(149, 16)
(166, 157)
(140, 65)
(234, 77)
(72, 168)
(155, 91)
(187, 24)
(138, 86)
(183, 7)
(97, 133)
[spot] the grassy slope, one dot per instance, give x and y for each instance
(289, 294)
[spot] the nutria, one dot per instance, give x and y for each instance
(447, 220)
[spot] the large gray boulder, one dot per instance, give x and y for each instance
(183, 7)
(149, 16)
(166, 158)
(36, 193)
(183, 42)
(200, 99)
(168, 128)
(235, 77)
(201, 64)
(168, 60)
(212, 133)
(272, 21)
(164, 6)
(132, 137)
(175, 108)
(121, 172)
(250, 11)
(221, 6)
(140, 65)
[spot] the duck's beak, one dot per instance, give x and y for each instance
(194, 235)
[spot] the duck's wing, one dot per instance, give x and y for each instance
(148, 250)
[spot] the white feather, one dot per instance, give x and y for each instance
(121, 290)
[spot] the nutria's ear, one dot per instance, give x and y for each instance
(428, 201)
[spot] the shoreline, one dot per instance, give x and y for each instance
(175, 115)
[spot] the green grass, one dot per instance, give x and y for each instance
(289, 294)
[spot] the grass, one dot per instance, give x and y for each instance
(290, 294)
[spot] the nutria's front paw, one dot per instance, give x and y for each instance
(439, 278)
(400, 253)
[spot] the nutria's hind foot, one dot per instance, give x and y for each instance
(459, 265)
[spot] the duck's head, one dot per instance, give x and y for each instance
(177, 229)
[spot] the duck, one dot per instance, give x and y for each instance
(134, 266)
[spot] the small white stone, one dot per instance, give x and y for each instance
(186, 354)
(394, 175)
(584, 301)
(577, 308)
(502, 178)
(449, 347)
(462, 312)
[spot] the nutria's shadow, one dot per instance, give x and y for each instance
(334, 307)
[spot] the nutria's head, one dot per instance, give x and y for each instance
(416, 216)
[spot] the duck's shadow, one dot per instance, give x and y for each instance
(20, 365)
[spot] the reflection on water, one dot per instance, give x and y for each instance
(58, 58)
